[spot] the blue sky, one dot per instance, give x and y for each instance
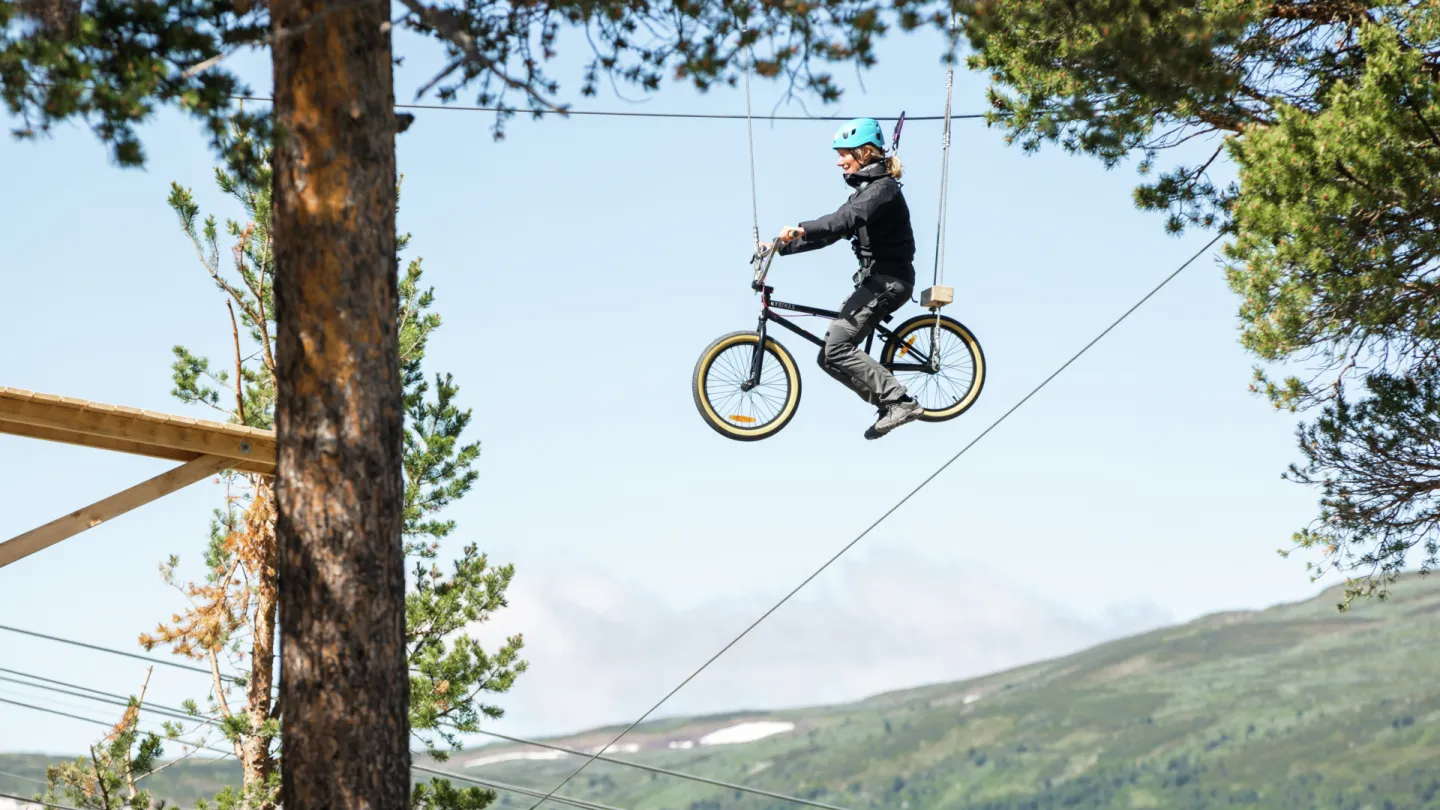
(1140, 487)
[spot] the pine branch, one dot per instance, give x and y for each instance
(133, 725)
(239, 373)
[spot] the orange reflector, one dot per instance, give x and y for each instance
(746, 419)
(904, 350)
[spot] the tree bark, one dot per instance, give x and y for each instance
(338, 414)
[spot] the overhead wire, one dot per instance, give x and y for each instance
(101, 697)
(931, 477)
(667, 772)
(37, 802)
(76, 690)
(550, 795)
(582, 804)
(638, 114)
(146, 658)
(23, 776)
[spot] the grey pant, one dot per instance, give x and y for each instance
(873, 299)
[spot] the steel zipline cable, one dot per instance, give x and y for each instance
(931, 477)
(638, 114)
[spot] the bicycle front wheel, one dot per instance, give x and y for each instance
(731, 407)
(948, 388)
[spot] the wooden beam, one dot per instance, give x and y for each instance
(122, 446)
(118, 504)
(94, 424)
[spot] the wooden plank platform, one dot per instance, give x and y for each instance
(132, 430)
(204, 447)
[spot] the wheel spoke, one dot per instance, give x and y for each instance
(955, 375)
(750, 410)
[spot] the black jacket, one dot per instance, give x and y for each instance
(875, 219)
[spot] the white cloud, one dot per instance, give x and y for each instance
(602, 651)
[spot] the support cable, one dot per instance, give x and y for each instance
(883, 517)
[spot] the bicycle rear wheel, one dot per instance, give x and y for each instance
(724, 404)
(950, 390)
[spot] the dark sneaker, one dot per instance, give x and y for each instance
(906, 410)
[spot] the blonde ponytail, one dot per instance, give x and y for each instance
(870, 153)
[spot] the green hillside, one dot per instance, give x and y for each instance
(1292, 707)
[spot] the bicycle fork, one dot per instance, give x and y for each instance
(757, 359)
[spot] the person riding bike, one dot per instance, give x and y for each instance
(876, 220)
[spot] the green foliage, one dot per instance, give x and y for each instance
(108, 778)
(243, 798)
(441, 795)
(450, 672)
(112, 62)
(1329, 110)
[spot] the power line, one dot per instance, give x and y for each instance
(161, 661)
(107, 724)
(597, 755)
(890, 511)
(76, 690)
(37, 801)
(667, 772)
(636, 114)
(23, 776)
(501, 786)
(103, 697)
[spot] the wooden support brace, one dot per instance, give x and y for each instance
(118, 504)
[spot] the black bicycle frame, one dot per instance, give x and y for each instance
(767, 314)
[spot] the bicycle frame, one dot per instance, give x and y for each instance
(768, 315)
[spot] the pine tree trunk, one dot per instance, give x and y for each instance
(343, 685)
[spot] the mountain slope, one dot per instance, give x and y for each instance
(1292, 707)
(1295, 706)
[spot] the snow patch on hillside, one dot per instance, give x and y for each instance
(746, 732)
(514, 755)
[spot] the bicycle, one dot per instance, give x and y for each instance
(747, 385)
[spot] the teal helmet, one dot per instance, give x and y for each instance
(858, 132)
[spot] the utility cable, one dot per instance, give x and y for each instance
(161, 661)
(667, 772)
(637, 114)
(1002, 418)
(501, 786)
(76, 690)
(38, 802)
(887, 513)
(23, 776)
(102, 697)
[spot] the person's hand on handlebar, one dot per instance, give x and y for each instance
(787, 234)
